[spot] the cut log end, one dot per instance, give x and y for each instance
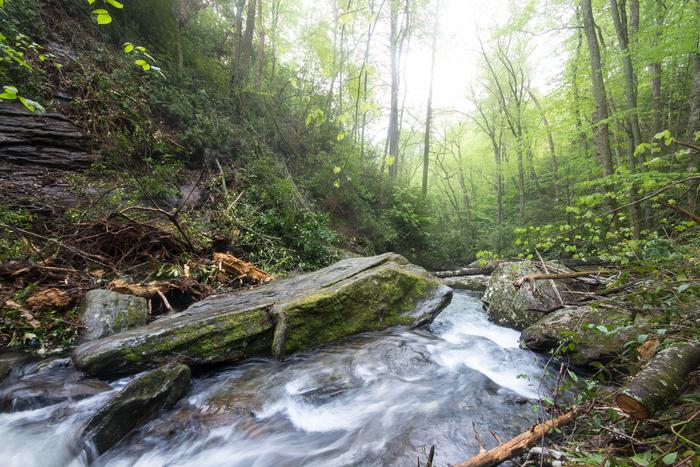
(632, 406)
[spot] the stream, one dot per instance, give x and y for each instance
(379, 398)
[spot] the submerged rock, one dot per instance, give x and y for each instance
(104, 313)
(477, 283)
(596, 334)
(9, 360)
(515, 307)
(136, 404)
(45, 383)
(354, 295)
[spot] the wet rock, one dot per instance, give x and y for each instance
(104, 313)
(513, 307)
(476, 283)
(279, 318)
(45, 383)
(591, 343)
(137, 403)
(9, 360)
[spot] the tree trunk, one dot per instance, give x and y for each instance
(659, 383)
(237, 40)
(550, 142)
(429, 110)
(583, 138)
(601, 130)
(620, 21)
(694, 120)
(260, 62)
(655, 72)
(393, 130)
(247, 45)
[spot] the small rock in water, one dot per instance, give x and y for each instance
(104, 313)
(137, 403)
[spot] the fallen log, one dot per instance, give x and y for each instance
(563, 275)
(486, 270)
(660, 381)
(519, 444)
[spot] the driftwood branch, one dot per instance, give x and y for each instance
(543, 276)
(659, 383)
(519, 444)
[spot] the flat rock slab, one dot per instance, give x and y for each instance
(276, 319)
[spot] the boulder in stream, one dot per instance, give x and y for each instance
(597, 334)
(516, 307)
(104, 313)
(477, 283)
(135, 404)
(279, 318)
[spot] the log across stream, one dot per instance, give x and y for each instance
(375, 399)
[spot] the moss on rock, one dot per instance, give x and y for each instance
(595, 334)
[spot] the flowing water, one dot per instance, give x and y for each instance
(375, 399)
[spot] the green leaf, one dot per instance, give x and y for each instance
(115, 4)
(670, 458)
(104, 19)
(100, 11)
(336, 170)
(641, 338)
(682, 287)
(9, 94)
(128, 47)
(2, 3)
(90, 2)
(31, 105)
(341, 136)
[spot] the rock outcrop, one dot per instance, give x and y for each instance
(135, 404)
(104, 313)
(354, 295)
(595, 334)
(48, 140)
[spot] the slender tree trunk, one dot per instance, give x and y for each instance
(620, 21)
(237, 40)
(429, 110)
(393, 131)
(601, 130)
(583, 138)
(550, 143)
(260, 62)
(246, 49)
(694, 128)
(655, 71)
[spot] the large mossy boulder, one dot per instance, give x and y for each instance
(597, 334)
(516, 307)
(354, 295)
(136, 404)
(104, 313)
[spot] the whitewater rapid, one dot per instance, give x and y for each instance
(375, 399)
